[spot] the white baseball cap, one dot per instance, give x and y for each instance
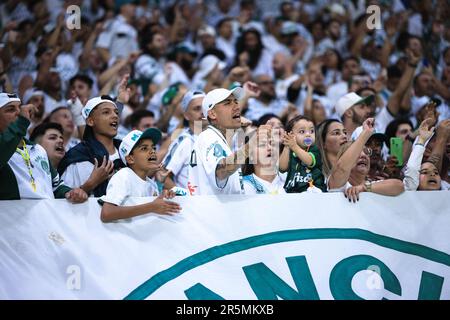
(207, 64)
(349, 100)
(30, 93)
(218, 95)
(6, 98)
(94, 102)
(206, 30)
(132, 138)
(189, 96)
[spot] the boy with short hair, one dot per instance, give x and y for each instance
(138, 152)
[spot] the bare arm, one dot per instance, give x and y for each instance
(89, 46)
(341, 171)
(227, 166)
(111, 212)
(284, 160)
(442, 135)
(395, 99)
(388, 187)
(112, 72)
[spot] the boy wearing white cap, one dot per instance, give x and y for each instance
(179, 152)
(98, 153)
(25, 169)
(138, 152)
(214, 168)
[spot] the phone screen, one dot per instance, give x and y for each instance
(397, 150)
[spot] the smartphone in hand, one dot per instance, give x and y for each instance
(397, 150)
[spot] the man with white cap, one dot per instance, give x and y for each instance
(209, 73)
(214, 167)
(353, 110)
(25, 169)
(179, 152)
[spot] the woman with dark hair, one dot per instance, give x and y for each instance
(250, 52)
(332, 63)
(330, 136)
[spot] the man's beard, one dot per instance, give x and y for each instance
(186, 64)
(358, 119)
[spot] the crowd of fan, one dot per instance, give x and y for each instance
(125, 99)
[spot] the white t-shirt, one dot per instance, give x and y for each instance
(40, 170)
(336, 91)
(78, 173)
(256, 109)
(209, 149)
(282, 85)
(178, 156)
(255, 185)
(72, 143)
(125, 184)
(120, 38)
(51, 104)
(382, 119)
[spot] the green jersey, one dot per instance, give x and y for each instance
(299, 174)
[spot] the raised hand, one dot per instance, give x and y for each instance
(28, 111)
(124, 92)
(289, 140)
(251, 89)
(426, 130)
(369, 125)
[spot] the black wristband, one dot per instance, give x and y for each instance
(412, 65)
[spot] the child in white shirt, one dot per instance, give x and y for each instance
(138, 152)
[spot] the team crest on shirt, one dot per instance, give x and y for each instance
(218, 151)
(43, 162)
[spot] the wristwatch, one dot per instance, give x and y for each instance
(368, 186)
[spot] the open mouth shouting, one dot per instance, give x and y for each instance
(114, 125)
(153, 158)
(362, 163)
(60, 149)
(433, 182)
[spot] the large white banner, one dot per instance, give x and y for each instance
(295, 246)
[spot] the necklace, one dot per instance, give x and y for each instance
(26, 157)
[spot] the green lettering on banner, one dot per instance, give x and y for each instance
(161, 278)
(430, 286)
(268, 286)
(343, 273)
(200, 292)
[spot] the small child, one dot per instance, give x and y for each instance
(138, 152)
(301, 158)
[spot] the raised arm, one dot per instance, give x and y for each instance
(395, 99)
(341, 171)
